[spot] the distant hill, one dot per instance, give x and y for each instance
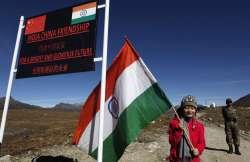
(243, 101)
(14, 104)
(67, 107)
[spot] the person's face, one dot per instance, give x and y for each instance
(229, 104)
(189, 111)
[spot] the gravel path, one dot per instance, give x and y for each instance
(153, 147)
(154, 151)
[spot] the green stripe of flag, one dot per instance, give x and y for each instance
(147, 107)
(82, 19)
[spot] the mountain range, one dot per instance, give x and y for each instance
(15, 104)
(243, 101)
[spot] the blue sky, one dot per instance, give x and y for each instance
(192, 47)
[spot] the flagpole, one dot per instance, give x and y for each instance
(103, 81)
(11, 78)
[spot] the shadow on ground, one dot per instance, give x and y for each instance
(53, 159)
(216, 149)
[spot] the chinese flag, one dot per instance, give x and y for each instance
(35, 25)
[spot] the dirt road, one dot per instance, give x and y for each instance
(153, 151)
(216, 150)
(151, 146)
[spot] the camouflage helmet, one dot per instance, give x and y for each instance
(189, 101)
(229, 100)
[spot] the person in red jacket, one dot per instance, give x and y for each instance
(181, 150)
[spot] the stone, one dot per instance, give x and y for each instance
(153, 146)
(210, 119)
(221, 125)
(6, 158)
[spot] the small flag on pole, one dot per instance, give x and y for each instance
(35, 25)
(133, 100)
(83, 13)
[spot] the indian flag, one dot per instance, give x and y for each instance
(133, 100)
(83, 13)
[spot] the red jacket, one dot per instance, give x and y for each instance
(196, 134)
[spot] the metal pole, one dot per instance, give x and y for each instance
(103, 81)
(11, 78)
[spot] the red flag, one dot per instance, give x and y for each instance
(35, 25)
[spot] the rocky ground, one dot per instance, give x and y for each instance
(151, 146)
(215, 116)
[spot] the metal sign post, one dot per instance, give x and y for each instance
(11, 78)
(103, 81)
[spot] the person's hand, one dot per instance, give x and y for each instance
(181, 125)
(195, 152)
